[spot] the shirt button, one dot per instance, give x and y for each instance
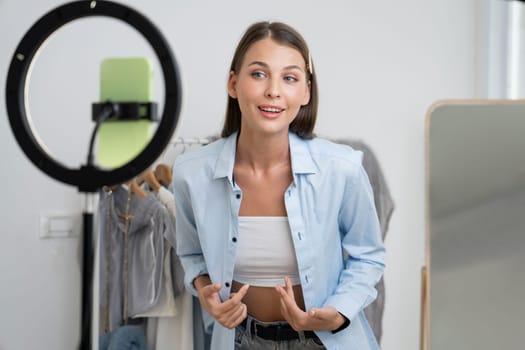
(238, 196)
(227, 284)
(234, 239)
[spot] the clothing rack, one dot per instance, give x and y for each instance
(181, 145)
(192, 140)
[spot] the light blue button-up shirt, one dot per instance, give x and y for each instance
(330, 210)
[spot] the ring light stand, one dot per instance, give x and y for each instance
(88, 178)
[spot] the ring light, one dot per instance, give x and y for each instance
(89, 178)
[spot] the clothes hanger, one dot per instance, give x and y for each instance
(136, 189)
(149, 177)
(163, 174)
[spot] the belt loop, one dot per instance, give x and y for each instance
(302, 338)
(249, 330)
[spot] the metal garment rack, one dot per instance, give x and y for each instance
(180, 145)
(192, 141)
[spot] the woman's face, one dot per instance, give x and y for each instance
(270, 86)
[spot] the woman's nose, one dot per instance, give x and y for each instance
(273, 89)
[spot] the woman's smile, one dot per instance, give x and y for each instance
(270, 111)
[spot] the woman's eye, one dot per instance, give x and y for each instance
(258, 75)
(290, 78)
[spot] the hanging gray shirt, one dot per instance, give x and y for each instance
(149, 225)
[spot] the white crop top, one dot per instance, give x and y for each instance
(265, 252)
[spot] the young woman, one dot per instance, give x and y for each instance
(276, 229)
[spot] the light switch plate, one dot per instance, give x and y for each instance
(60, 225)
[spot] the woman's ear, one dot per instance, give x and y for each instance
(232, 81)
(306, 99)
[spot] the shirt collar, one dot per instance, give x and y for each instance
(302, 161)
(226, 159)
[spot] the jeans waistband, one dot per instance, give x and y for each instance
(276, 331)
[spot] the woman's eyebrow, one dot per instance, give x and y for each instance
(265, 65)
(258, 63)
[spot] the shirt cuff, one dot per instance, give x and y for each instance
(345, 324)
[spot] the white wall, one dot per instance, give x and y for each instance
(380, 65)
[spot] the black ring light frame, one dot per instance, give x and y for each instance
(89, 178)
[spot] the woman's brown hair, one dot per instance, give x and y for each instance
(304, 122)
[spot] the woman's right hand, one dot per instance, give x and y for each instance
(229, 313)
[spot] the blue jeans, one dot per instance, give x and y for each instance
(246, 338)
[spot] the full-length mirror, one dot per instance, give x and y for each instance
(475, 163)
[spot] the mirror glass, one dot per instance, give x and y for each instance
(476, 224)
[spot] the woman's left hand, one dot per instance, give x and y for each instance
(323, 318)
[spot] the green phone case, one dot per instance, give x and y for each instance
(124, 80)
